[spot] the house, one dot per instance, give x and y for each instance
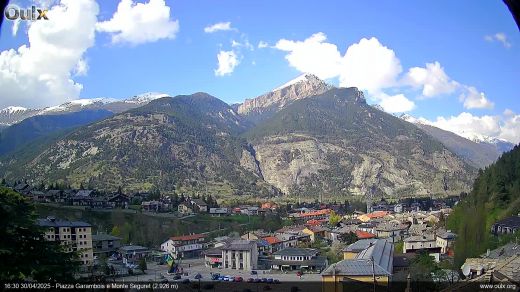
(367, 227)
(83, 198)
(506, 226)
(374, 215)
(184, 209)
(56, 196)
(375, 262)
(300, 259)
(269, 205)
(275, 243)
(218, 211)
(352, 250)
(40, 196)
(318, 214)
(155, 206)
(394, 231)
(213, 258)
(105, 245)
(199, 205)
(445, 240)
(133, 253)
(75, 236)
(425, 242)
(185, 246)
(360, 234)
(316, 232)
(118, 201)
(240, 255)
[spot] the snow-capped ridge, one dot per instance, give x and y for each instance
(306, 77)
(146, 97)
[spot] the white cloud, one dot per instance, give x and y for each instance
(262, 45)
(227, 61)
(369, 66)
(313, 55)
(473, 99)
(220, 26)
(138, 23)
(506, 126)
(39, 74)
(511, 128)
(245, 43)
(433, 80)
(499, 37)
(395, 103)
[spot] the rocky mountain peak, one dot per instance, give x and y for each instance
(303, 86)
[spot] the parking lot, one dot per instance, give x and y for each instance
(192, 267)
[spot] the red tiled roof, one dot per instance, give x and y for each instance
(377, 214)
(316, 213)
(364, 235)
(187, 237)
(271, 239)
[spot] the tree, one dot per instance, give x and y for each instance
(25, 254)
(334, 218)
(348, 238)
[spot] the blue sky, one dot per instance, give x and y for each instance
(473, 51)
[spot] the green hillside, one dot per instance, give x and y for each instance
(495, 195)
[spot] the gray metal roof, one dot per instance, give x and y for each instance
(53, 222)
(131, 248)
(359, 245)
(377, 258)
(293, 251)
(240, 245)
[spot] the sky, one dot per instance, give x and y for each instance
(452, 64)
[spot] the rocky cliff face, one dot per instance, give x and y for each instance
(263, 107)
(338, 145)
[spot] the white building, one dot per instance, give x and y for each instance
(240, 255)
(185, 246)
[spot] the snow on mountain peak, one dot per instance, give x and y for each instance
(13, 109)
(302, 78)
(146, 97)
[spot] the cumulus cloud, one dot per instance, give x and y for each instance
(220, 26)
(369, 66)
(375, 68)
(313, 55)
(138, 23)
(505, 126)
(395, 103)
(432, 79)
(498, 37)
(39, 74)
(227, 61)
(473, 99)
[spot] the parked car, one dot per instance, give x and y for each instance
(221, 278)
(299, 274)
(250, 280)
(270, 280)
(238, 279)
(276, 281)
(264, 280)
(215, 276)
(257, 280)
(254, 273)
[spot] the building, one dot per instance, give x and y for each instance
(394, 231)
(426, 242)
(105, 244)
(133, 253)
(316, 232)
(155, 206)
(199, 205)
(118, 201)
(185, 246)
(301, 259)
(240, 255)
(374, 263)
(76, 236)
(506, 226)
(355, 248)
(374, 215)
(184, 209)
(445, 240)
(213, 257)
(218, 211)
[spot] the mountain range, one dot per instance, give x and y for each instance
(301, 139)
